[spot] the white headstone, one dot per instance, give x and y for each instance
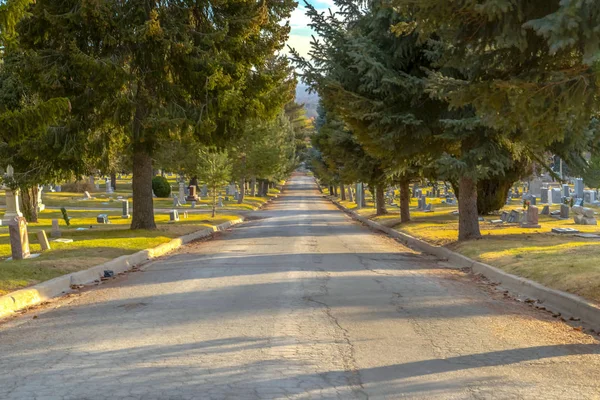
(12, 201)
(40, 204)
(181, 193)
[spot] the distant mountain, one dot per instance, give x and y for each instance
(310, 100)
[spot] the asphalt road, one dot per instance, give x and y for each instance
(302, 303)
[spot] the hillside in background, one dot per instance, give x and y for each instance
(310, 100)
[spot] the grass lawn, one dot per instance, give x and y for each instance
(95, 245)
(101, 199)
(562, 262)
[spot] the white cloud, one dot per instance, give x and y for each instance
(300, 35)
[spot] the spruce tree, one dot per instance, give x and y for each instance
(159, 70)
(522, 75)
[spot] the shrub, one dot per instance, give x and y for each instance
(161, 186)
(77, 187)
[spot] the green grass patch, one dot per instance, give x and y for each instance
(94, 245)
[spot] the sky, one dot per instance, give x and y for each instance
(300, 35)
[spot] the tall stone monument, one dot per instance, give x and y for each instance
(12, 201)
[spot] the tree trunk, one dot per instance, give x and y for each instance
(143, 204)
(468, 218)
(380, 199)
(242, 190)
(214, 201)
(113, 180)
(265, 188)
(253, 187)
(343, 191)
(350, 195)
(29, 203)
(405, 200)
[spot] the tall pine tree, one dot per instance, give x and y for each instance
(158, 69)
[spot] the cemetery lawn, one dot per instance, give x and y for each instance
(101, 200)
(561, 262)
(90, 247)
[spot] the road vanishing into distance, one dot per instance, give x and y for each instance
(301, 302)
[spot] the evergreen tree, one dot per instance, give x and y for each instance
(344, 160)
(159, 70)
(214, 168)
(517, 75)
(375, 81)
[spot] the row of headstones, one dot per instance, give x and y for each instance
(579, 191)
(434, 192)
(558, 196)
(188, 193)
(583, 215)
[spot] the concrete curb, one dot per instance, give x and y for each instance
(44, 291)
(568, 305)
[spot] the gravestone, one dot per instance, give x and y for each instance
(564, 211)
(204, 192)
(579, 188)
(19, 239)
(43, 240)
(359, 193)
(428, 208)
(350, 195)
(176, 202)
(55, 233)
(414, 190)
(220, 204)
(584, 216)
(181, 193)
(109, 188)
(578, 202)
(556, 196)
(544, 196)
(125, 206)
(40, 205)
(12, 202)
(545, 210)
(589, 196)
(514, 217)
(192, 196)
(58, 188)
(504, 216)
(423, 202)
(535, 187)
(236, 196)
(102, 219)
(86, 195)
(533, 200)
(173, 216)
(193, 204)
(563, 231)
(566, 190)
